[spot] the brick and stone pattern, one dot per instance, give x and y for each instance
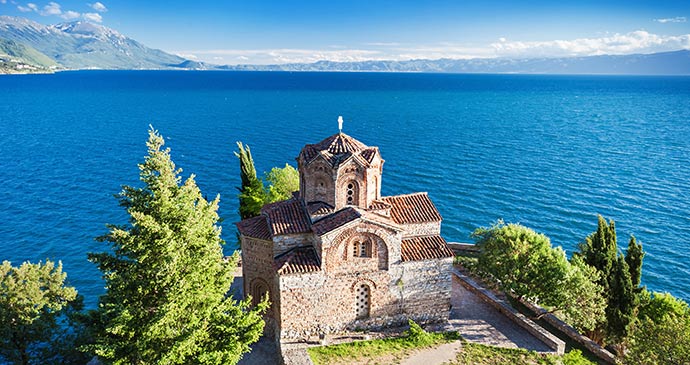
(339, 256)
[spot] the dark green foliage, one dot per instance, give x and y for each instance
(619, 281)
(523, 263)
(33, 300)
(167, 282)
(622, 304)
(252, 194)
(633, 257)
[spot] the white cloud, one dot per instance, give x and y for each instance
(188, 56)
(29, 7)
(634, 42)
(69, 15)
(678, 19)
(93, 17)
(3, 1)
(52, 8)
(99, 7)
(287, 55)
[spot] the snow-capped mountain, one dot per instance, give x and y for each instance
(80, 45)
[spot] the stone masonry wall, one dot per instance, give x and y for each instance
(257, 269)
(284, 243)
(426, 289)
(423, 229)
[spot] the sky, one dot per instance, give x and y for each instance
(281, 31)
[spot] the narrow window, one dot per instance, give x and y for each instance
(351, 194)
(362, 301)
(361, 249)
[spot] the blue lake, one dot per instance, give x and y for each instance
(550, 152)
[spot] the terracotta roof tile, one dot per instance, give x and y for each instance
(379, 204)
(424, 248)
(335, 220)
(412, 208)
(319, 208)
(297, 261)
(255, 227)
(287, 217)
(337, 148)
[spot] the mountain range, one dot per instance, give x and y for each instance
(27, 45)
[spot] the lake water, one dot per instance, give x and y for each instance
(550, 152)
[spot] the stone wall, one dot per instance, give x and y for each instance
(322, 303)
(257, 270)
(423, 229)
(426, 289)
(284, 243)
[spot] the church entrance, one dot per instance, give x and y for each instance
(362, 301)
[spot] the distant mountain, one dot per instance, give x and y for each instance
(84, 45)
(666, 63)
(18, 58)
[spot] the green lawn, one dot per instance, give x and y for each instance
(379, 351)
(393, 350)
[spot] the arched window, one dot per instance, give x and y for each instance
(259, 289)
(352, 193)
(361, 248)
(362, 301)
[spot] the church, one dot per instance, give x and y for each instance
(339, 256)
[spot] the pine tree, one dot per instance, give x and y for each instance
(167, 282)
(633, 257)
(252, 193)
(32, 298)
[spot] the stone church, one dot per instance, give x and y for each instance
(338, 255)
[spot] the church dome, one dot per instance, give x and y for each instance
(337, 148)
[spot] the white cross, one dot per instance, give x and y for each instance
(340, 123)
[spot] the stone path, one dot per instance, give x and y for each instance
(439, 355)
(478, 322)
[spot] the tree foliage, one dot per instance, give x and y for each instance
(619, 277)
(662, 334)
(167, 283)
(524, 263)
(33, 299)
(283, 182)
(252, 194)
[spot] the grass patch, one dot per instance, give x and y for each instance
(472, 353)
(380, 351)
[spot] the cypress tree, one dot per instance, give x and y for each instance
(252, 193)
(599, 250)
(633, 257)
(167, 298)
(622, 305)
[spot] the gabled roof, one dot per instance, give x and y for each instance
(287, 217)
(412, 208)
(255, 227)
(337, 149)
(335, 220)
(319, 208)
(424, 248)
(297, 261)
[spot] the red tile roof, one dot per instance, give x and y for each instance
(297, 261)
(412, 208)
(335, 220)
(255, 227)
(338, 148)
(319, 207)
(287, 217)
(378, 205)
(424, 248)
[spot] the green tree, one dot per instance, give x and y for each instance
(252, 194)
(618, 280)
(633, 257)
(33, 298)
(662, 334)
(283, 182)
(524, 264)
(167, 283)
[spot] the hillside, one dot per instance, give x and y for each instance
(666, 63)
(84, 45)
(18, 58)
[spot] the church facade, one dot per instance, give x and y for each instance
(338, 255)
